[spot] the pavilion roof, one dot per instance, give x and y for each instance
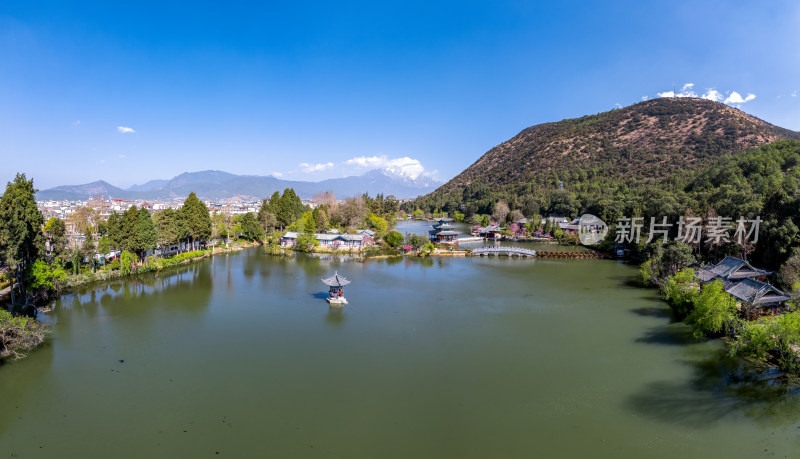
(756, 293)
(731, 268)
(336, 280)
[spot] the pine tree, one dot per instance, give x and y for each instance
(198, 220)
(146, 236)
(266, 216)
(21, 238)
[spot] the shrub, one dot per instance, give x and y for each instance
(681, 291)
(394, 239)
(19, 335)
(127, 261)
(648, 273)
(713, 310)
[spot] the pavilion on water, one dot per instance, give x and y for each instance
(443, 233)
(336, 282)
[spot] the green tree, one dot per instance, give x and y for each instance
(75, 258)
(320, 214)
(114, 229)
(145, 236)
(774, 338)
(21, 238)
(56, 231)
(221, 225)
(394, 238)
(45, 277)
(266, 217)
(197, 218)
(289, 208)
(378, 224)
(103, 247)
(713, 310)
(681, 290)
(249, 227)
(170, 227)
(127, 261)
(126, 227)
(676, 256)
(306, 241)
(87, 249)
(648, 273)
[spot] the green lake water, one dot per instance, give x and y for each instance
(240, 356)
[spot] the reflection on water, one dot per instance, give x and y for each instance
(335, 316)
(720, 389)
(433, 357)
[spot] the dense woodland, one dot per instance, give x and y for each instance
(761, 181)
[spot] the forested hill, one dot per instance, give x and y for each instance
(651, 139)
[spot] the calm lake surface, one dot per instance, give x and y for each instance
(449, 357)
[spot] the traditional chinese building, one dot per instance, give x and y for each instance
(335, 293)
(730, 269)
(443, 233)
(330, 240)
(753, 297)
(489, 232)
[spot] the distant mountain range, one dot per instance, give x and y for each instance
(221, 185)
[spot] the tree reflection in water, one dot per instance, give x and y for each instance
(720, 387)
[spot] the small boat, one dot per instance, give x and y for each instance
(336, 282)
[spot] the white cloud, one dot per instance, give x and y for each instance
(125, 130)
(368, 161)
(405, 166)
(736, 98)
(276, 174)
(315, 167)
(645, 98)
(794, 93)
(121, 156)
(102, 161)
(76, 122)
(679, 94)
(618, 105)
(712, 94)
(687, 90)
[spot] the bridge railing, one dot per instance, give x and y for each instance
(504, 250)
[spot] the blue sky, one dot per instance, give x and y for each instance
(128, 92)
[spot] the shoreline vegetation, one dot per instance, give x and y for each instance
(38, 272)
(771, 341)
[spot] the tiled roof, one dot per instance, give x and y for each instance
(326, 236)
(756, 293)
(732, 269)
(336, 280)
